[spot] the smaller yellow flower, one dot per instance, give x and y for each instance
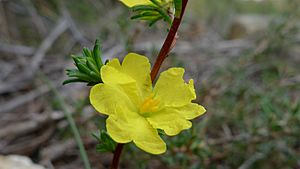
(136, 110)
(132, 3)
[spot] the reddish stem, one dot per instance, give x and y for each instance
(163, 54)
(117, 155)
(169, 42)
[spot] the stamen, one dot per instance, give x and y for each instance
(149, 105)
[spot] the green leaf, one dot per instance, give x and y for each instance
(87, 52)
(145, 15)
(95, 76)
(178, 8)
(83, 68)
(156, 9)
(143, 8)
(74, 80)
(96, 136)
(155, 20)
(92, 83)
(97, 54)
(88, 67)
(76, 59)
(106, 143)
(92, 65)
(81, 76)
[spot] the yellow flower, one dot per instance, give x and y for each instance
(131, 3)
(136, 110)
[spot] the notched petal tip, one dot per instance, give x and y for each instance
(192, 89)
(94, 98)
(173, 131)
(175, 71)
(114, 63)
(190, 111)
(133, 56)
(173, 90)
(155, 149)
(202, 110)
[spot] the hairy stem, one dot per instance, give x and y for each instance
(117, 155)
(169, 42)
(163, 54)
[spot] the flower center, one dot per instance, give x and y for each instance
(149, 105)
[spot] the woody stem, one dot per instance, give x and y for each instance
(163, 54)
(169, 42)
(117, 155)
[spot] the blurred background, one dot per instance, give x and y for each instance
(244, 56)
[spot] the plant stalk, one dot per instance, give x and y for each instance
(117, 155)
(169, 42)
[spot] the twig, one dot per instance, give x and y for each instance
(74, 30)
(27, 147)
(169, 42)
(183, 47)
(36, 18)
(3, 21)
(25, 98)
(6, 68)
(247, 164)
(60, 28)
(21, 100)
(56, 151)
(16, 49)
(225, 140)
(16, 130)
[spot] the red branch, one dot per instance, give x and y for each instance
(169, 42)
(117, 155)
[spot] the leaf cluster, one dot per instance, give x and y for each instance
(106, 143)
(157, 10)
(87, 67)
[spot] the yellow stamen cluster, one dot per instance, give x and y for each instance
(149, 105)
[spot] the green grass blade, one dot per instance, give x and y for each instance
(71, 122)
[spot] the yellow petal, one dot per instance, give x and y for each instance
(114, 63)
(190, 111)
(106, 98)
(169, 120)
(114, 77)
(138, 67)
(133, 76)
(117, 130)
(146, 137)
(171, 89)
(111, 75)
(131, 3)
(127, 126)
